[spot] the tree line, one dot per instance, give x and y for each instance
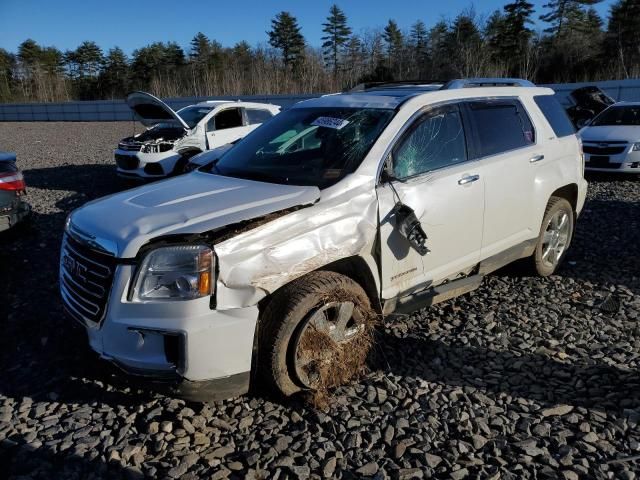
(576, 44)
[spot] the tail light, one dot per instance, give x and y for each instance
(12, 181)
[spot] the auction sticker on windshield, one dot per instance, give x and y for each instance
(330, 122)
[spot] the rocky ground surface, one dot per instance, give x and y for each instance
(523, 378)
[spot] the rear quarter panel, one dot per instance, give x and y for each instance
(561, 166)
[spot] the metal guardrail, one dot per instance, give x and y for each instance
(117, 110)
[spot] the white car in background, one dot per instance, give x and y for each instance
(611, 141)
(173, 137)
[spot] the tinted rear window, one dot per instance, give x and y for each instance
(500, 126)
(555, 115)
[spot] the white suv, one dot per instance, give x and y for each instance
(271, 261)
(174, 137)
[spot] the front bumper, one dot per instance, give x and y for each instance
(627, 161)
(183, 347)
(131, 164)
(17, 211)
(198, 391)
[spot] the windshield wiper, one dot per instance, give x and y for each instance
(261, 177)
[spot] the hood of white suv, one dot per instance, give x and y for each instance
(150, 110)
(193, 203)
(610, 132)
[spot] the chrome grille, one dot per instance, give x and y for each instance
(604, 148)
(86, 276)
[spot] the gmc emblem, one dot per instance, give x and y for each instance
(75, 268)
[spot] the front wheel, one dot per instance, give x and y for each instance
(555, 236)
(315, 334)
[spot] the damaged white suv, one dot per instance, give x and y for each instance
(174, 137)
(270, 262)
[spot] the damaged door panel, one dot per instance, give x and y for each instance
(431, 174)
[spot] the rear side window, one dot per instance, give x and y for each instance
(555, 115)
(257, 116)
(500, 126)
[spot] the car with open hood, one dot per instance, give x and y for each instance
(172, 137)
(273, 261)
(587, 102)
(611, 141)
(13, 190)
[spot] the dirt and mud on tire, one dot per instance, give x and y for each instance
(317, 335)
(327, 361)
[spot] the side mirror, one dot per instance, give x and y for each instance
(410, 228)
(386, 175)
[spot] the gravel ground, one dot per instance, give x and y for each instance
(523, 378)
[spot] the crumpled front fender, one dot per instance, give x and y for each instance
(255, 263)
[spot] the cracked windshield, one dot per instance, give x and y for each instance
(306, 146)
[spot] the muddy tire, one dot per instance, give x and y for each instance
(314, 334)
(556, 233)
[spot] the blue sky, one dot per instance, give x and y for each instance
(135, 23)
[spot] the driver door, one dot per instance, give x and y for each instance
(431, 174)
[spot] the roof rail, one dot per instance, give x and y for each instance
(486, 82)
(361, 87)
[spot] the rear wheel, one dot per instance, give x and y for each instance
(555, 236)
(315, 334)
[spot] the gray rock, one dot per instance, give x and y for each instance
(368, 469)
(222, 452)
(410, 473)
(329, 467)
(557, 410)
(459, 474)
(478, 441)
(432, 460)
(166, 427)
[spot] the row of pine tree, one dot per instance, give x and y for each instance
(575, 45)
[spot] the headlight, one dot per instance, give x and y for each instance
(182, 272)
(636, 147)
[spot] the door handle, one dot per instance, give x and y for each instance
(537, 158)
(468, 179)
